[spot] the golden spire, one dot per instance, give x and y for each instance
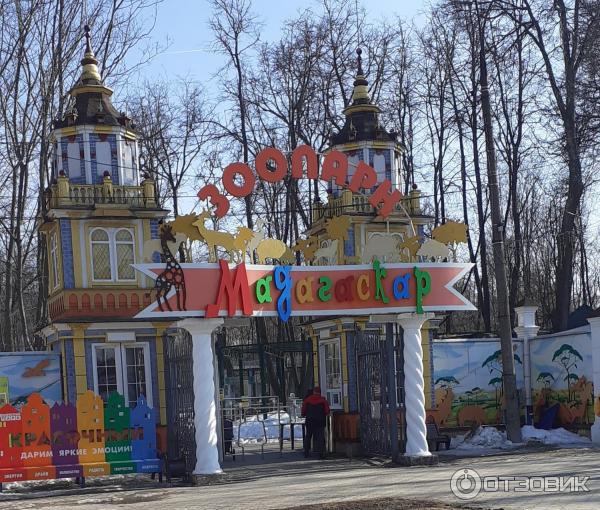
(361, 101)
(90, 79)
(89, 63)
(361, 89)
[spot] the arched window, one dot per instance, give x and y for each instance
(101, 265)
(112, 254)
(124, 253)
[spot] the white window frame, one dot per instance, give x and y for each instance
(325, 390)
(54, 259)
(118, 365)
(112, 252)
(128, 171)
(121, 364)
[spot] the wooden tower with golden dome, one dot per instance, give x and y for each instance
(98, 215)
(363, 238)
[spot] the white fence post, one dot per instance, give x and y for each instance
(527, 329)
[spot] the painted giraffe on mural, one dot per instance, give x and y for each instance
(172, 276)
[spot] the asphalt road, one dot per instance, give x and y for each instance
(292, 481)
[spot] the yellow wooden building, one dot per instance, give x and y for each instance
(98, 216)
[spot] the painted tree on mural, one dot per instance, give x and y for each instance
(546, 378)
(447, 382)
(494, 364)
(496, 382)
(476, 393)
(567, 357)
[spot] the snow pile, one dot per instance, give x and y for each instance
(490, 437)
(256, 429)
(555, 436)
(484, 437)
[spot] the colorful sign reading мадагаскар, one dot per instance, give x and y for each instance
(216, 290)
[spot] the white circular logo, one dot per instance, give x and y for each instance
(465, 483)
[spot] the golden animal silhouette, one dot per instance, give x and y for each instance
(450, 232)
(242, 240)
(257, 238)
(307, 247)
(381, 246)
(154, 245)
(337, 227)
(433, 250)
(274, 249)
(410, 244)
(214, 238)
(184, 224)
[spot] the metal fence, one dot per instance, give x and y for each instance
(179, 380)
(379, 361)
(256, 424)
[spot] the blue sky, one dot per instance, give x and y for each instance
(185, 24)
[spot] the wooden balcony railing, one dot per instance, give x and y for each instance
(353, 203)
(66, 194)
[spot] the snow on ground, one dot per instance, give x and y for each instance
(484, 437)
(492, 438)
(257, 429)
(555, 436)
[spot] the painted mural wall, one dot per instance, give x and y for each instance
(468, 381)
(467, 375)
(24, 373)
(561, 374)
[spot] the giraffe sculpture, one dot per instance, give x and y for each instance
(172, 275)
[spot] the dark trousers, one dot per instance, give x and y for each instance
(316, 434)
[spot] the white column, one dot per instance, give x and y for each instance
(595, 333)
(205, 408)
(414, 385)
(526, 330)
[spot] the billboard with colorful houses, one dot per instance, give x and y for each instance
(91, 438)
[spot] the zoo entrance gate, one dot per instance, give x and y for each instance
(379, 361)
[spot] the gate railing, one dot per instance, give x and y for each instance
(380, 365)
(250, 422)
(179, 377)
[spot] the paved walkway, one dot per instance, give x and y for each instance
(292, 481)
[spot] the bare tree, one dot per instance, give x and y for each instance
(236, 31)
(38, 48)
(565, 33)
(174, 123)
